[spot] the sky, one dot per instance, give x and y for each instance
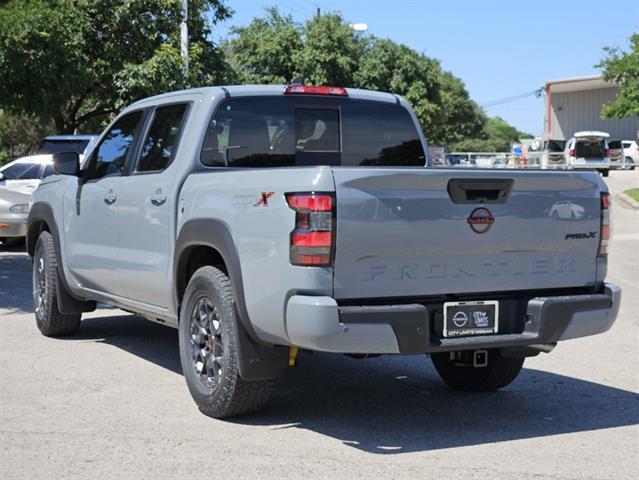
(498, 48)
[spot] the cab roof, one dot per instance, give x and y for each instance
(258, 90)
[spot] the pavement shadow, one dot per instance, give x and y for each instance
(397, 404)
(15, 279)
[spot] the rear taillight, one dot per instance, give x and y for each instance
(571, 153)
(608, 152)
(313, 239)
(605, 232)
(315, 90)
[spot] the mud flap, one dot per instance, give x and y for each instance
(259, 362)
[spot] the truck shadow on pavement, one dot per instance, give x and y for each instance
(395, 404)
(15, 279)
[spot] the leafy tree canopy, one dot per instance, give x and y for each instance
(74, 61)
(326, 51)
(496, 136)
(622, 68)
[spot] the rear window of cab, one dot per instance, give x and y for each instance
(287, 131)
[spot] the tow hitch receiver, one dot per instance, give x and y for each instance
(466, 358)
(480, 358)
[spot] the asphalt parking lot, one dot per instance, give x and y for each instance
(111, 403)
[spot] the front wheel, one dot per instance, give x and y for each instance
(49, 319)
(459, 371)
(208, 336)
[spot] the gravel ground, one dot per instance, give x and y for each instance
(112, 403)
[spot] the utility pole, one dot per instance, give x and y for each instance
(184, 35)
(319, 13)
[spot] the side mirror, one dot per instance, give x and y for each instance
(67, 163)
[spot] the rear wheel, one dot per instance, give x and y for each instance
(458, 370)
(630, 163)
(208, 335)
(49, 319)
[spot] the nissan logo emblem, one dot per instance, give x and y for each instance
(480, 220)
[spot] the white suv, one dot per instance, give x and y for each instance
(631, 153)
(588, 150)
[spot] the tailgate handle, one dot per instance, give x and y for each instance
(480, 190)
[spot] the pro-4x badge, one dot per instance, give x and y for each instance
(263, 202)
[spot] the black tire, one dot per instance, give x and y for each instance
(51, 322)
(604, 173)
(630, 163)
(223, 393)
(498, 373)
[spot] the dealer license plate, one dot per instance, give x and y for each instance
(465, 319)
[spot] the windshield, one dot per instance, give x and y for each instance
(310, 130)
(56, 146)
(22, 171)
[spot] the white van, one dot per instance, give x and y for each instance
(588, 150)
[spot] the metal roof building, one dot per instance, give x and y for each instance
(574, 104)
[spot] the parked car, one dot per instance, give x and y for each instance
(18, 180)
(631, 153)
(81, 144)
(589, 150)
(14, 208)
(259, 220)
(617, 158)
(552, 154)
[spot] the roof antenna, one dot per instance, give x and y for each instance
(298, 81)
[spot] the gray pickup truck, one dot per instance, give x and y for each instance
(259, 220)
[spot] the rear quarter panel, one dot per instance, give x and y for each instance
(261, 234)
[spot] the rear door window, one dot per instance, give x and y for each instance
(285, 131)
(162, 138)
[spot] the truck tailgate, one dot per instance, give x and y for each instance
(417, 232)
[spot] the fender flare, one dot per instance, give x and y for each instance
(257, 360)
(41, 213)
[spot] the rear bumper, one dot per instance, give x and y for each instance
(589, 165)
(318, 323)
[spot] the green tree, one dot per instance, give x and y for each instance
(330, 52)
(622, 68)
(72, 62)
(497, 135)
(19, 135)
(265, 51)
(326, 51)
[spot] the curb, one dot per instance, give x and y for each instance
(628, 201)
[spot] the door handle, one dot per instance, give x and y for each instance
(158, 198)
(110, 197)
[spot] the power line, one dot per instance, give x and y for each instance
(290, 9)
(537, 93)
(300, 8)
